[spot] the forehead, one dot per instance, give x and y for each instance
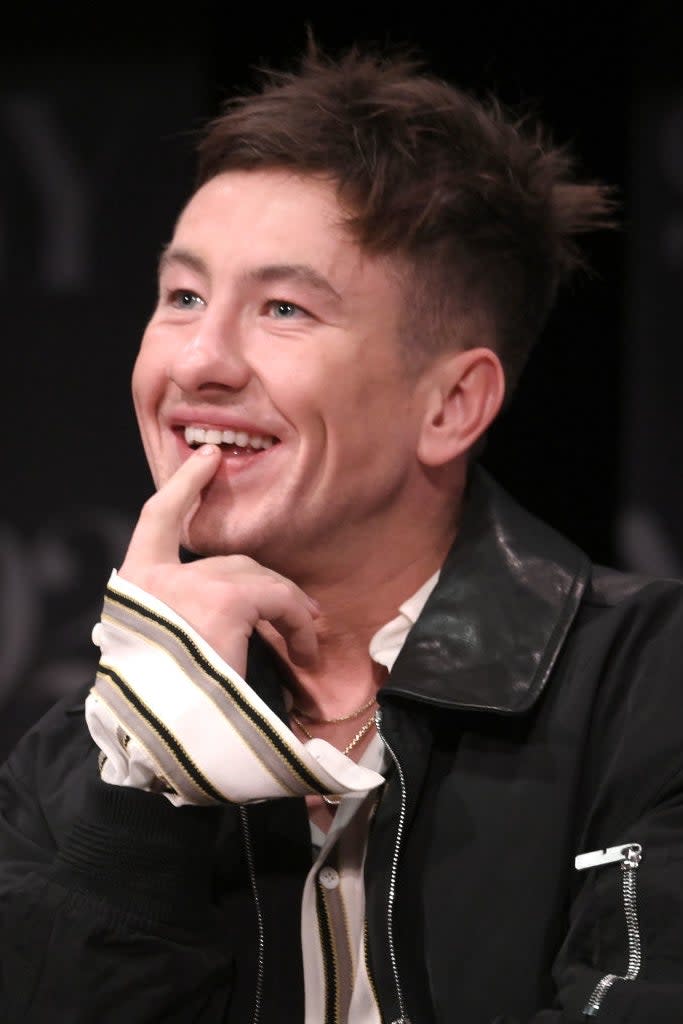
(264, 194)
(241, 220)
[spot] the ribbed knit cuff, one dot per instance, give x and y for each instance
(141, 854)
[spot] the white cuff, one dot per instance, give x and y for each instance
(170, 715)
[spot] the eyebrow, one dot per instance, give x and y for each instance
(302, 273)
(271, 273)
(185, 257)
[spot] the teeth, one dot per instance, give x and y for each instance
(240, 438)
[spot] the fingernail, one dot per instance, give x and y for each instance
(207, 449)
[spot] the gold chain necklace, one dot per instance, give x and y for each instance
(332, 721)
(333, 802)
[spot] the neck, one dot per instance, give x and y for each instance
(354, 605)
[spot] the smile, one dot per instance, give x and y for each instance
(196, 436)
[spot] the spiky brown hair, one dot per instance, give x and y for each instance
(476, 204)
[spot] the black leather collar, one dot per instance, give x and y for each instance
(493, 626)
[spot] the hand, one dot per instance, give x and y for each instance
(222, 597)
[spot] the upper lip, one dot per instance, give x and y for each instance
(217, 419)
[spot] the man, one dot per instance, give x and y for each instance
(340, 756)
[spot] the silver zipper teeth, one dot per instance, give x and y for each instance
(629, 867)
(392, 880)
(248, 850)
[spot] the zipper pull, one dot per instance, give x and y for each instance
(630, 855)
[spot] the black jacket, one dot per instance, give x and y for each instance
(534, 713)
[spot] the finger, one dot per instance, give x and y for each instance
(301, 640)
(290, 613)
(272, 604)
(243, 569)
(156, 536)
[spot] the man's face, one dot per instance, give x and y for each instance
(275, 334)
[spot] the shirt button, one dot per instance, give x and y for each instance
(329, 878)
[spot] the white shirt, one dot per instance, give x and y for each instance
(334, 886)
(170, 715)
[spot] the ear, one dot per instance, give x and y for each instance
(464, 393)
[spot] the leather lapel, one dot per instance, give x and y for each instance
(493, 626)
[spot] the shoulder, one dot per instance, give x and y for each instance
(626, 647)
(611, 588)
(58, 738)
(42, 780)
(631, 625)
(637, 616)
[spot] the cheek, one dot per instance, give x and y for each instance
(326, 393)
(148, 376)
(137, 384)
(148, 387)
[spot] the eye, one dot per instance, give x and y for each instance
(280, 309)
(181, 298)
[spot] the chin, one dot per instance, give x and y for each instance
(210, 533)
(202, 540)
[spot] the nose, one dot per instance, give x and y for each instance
(210, 358)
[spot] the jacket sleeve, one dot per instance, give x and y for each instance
(105, 894)
(622, 958)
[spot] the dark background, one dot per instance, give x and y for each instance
(98, 117)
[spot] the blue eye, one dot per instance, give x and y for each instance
(182, 299)
(282, 310)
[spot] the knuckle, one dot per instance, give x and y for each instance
(241, 563)
(285, 588)
(150, 507)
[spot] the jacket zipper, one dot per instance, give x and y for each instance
(630, 855)
(402, 1018)
(249, 853)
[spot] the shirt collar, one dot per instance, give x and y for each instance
(387, 642)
